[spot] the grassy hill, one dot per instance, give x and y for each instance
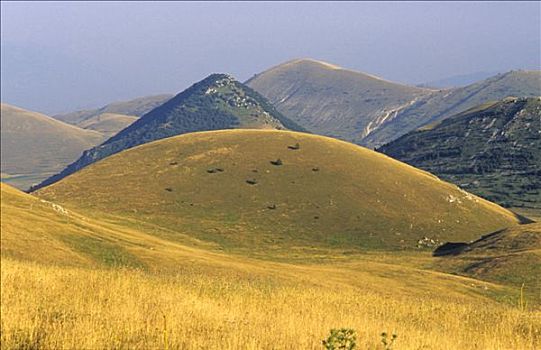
(136, 107)
(35, 146)
(333, 101)
(107, 124)
(261, 191)
(445, 103)
(510, 256)
(216, 102)
(492, 150)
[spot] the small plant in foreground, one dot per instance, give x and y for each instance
(341, 339)
(521, 301)
(165, 340)
(387, 340)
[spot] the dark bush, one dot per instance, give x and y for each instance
(294, 147)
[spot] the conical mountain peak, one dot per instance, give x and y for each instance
(217, 102)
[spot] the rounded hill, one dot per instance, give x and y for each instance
(275, 189)
(34, 146)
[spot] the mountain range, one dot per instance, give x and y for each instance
(211, 215)
(445, 103)
(329, 100)
(312, 95)
(370, 111)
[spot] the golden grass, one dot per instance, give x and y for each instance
(58, 292)
(66, 307)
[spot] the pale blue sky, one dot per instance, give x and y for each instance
(59, 56)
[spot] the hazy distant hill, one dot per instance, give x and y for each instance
(493, 150)
(458, 80)
(35, 146)
(333, 101)
(136, 107)
(443, 104)
(217, 102)
(263, 190)
(370, 111)
(107, 123)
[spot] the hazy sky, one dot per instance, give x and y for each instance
(59, 56)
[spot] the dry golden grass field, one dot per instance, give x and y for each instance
(286, 307)
(81, 271)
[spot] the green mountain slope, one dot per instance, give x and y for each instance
(107, 123)
(445, 103)
(136, 107)
(217, 102)
(493, 150)
(255, 190)
(333, 101)
(35, 146)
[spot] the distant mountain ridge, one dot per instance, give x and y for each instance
(445, 103)
(371, 111)
(107, 123)
(458, 80)
(217, 102)
(493, 150)
(136, 107)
